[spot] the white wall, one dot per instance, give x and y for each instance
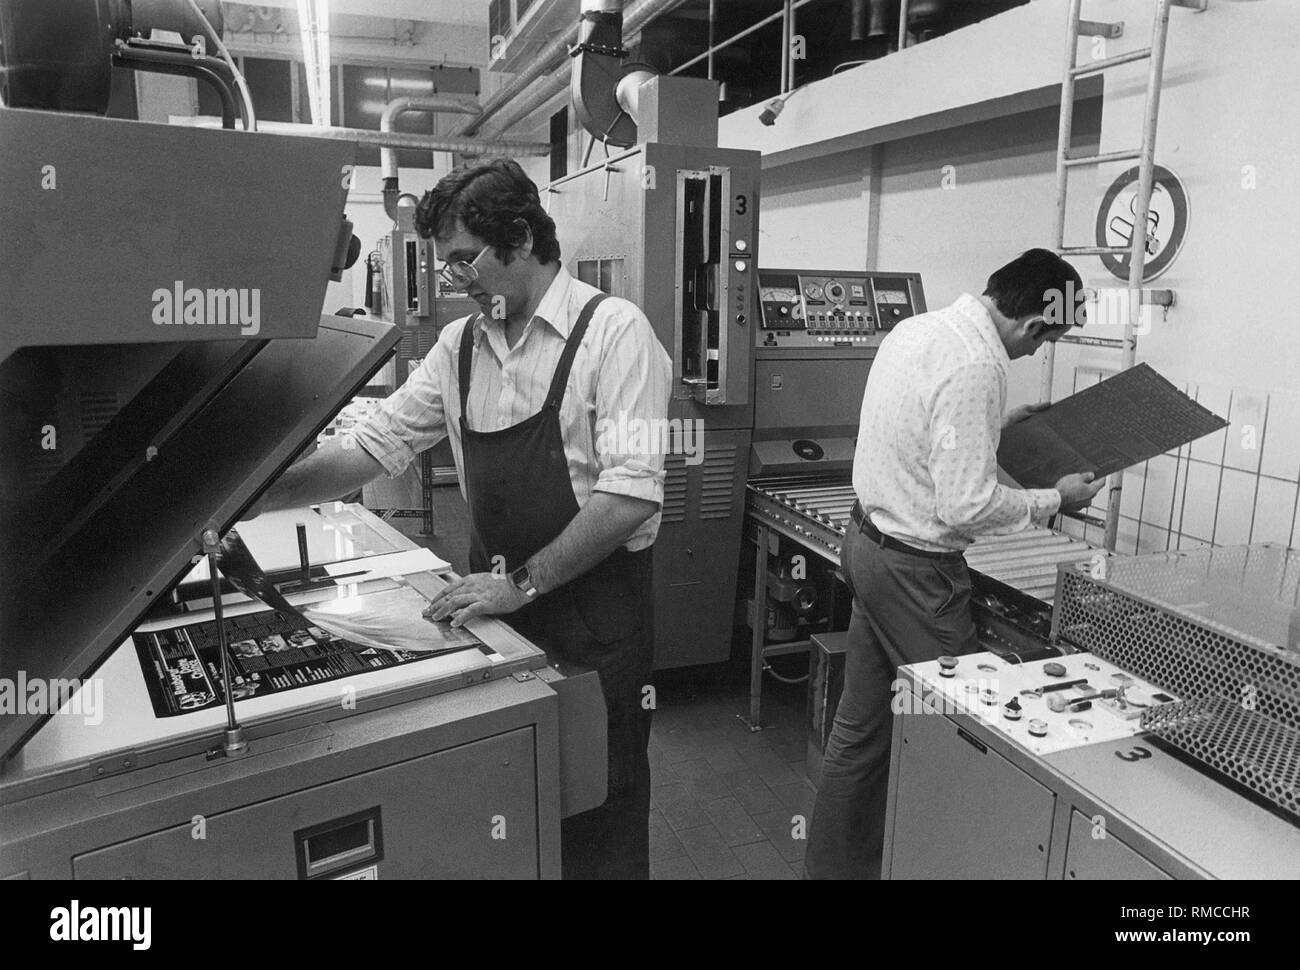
(1232, 340)
(816, 215)
(956, 204)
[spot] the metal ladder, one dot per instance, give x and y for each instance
(1145, 155)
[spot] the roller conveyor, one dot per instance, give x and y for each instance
(815, 512)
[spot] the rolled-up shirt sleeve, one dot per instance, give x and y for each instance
(632, 390)
(409, 420)
(965, 419)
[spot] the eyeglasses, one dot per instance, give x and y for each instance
(460, 274)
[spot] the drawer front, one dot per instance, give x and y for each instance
(466, 813)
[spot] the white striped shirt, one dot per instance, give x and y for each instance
(621, 376)
(926, 466)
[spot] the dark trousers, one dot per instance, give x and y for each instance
(603, 620)
(906, 609)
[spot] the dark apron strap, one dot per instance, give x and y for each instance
(466, 362)
(561, 379)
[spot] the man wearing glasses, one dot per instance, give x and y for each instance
(560, 528)
(925, 475)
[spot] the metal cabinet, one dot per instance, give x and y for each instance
(1103, 858)
(961, 810)
(469, 812)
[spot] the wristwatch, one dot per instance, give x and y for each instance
(524, 582)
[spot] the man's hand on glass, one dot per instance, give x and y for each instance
(478, 594)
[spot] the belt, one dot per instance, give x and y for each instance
(889, 542)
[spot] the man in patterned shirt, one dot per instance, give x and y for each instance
(561, 519)
(925, 477)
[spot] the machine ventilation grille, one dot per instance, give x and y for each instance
(97, 409)
(719, 482)
(674, 509)
(606, 273)
(39, 468)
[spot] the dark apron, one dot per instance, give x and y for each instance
(520, 498)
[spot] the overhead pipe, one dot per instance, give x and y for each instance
(600, 100)
(787, 45)
(171, 59)
(433, 104)
(628, 91)
(877, 22)
(858, 21)
(428, 143)
(547, 58)
(554, 55)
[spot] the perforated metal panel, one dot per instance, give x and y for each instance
(1217, 627)
(1248, 747)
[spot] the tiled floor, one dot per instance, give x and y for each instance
(727, 803)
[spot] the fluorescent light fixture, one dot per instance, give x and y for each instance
(398, 84)
(410, 84)
(314, 24)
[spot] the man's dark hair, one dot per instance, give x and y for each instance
(494, 200)
(1037, 281)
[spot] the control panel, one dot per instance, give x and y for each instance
(1045, 706)
(811, 308)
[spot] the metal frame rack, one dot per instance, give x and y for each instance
(813, 512)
